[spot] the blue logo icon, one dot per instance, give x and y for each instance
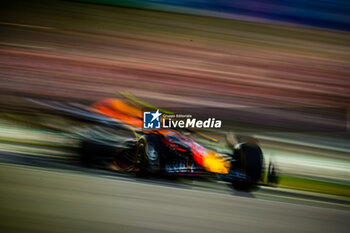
(151, 120)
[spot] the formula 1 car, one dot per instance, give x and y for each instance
(117, 140)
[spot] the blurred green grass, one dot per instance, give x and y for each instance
(315, 185)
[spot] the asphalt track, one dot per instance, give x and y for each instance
(44, 200)
(52, 196)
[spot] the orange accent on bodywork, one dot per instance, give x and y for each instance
(128, 114)
(122, 107)
(212, 162)
(117, 109)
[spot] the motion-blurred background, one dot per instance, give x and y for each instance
(275, 70)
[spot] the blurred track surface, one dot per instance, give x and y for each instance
(40, 200)
(200, 183)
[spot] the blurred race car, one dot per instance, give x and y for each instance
(117, 140)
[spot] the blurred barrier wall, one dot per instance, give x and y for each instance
(332, 14)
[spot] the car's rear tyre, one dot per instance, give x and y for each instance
(148, 154)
